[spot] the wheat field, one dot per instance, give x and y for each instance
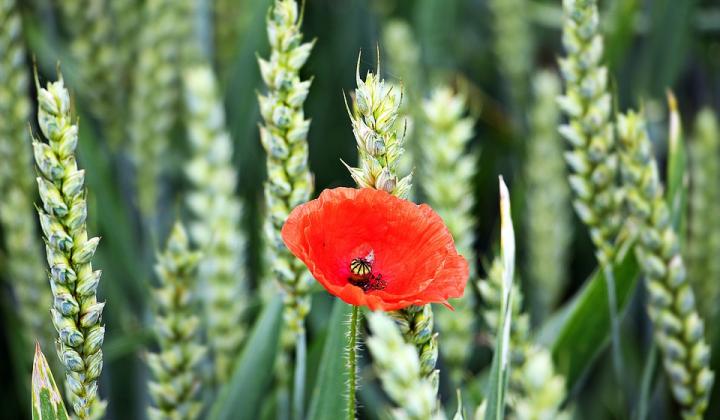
(341, 209)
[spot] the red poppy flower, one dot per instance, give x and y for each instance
(370, 248)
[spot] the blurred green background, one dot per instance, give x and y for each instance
(651, 46)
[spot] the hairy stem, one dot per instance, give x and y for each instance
(352, 361)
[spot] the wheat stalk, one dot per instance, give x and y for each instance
(679, 331)
(548, 198)
(379, 139)
(403, 60)
(513, 45)
(217, 225)
(231, 19)
(93, 45)
(155, 101)
(175, 367)
(703, 245)
(593, 156)
(290, 183)
(448, 187)
(284, 137)
(543, 390)
(24, 262)
(587, 103)
(76, 313)
(400, 370)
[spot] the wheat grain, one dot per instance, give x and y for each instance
(216, 228)
(76, 313)
(93, 46)
(155, 101)
(548, 214)
(175, 367)
(403, 60)
(703, 245)
(513, 46)
(447, 184)
(284, 137)
(679, 331)
(593, 158)
(24, 261)
(400, 371)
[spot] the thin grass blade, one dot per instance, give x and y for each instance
(332, 374)
(47, 403)
(244, 393)
(500, 369)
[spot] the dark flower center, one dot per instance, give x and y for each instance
(362, 275)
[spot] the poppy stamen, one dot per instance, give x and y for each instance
(361, 274)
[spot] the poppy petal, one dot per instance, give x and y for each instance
(413, 254)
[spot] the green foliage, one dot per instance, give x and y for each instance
(581, 329)
(93, 44)
(242, 395)
(47, 403)
(501, 365)
(332, 375)
(513, 45)
(677, 165)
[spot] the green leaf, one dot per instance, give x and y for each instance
(500, 368)
(240, 397)
(47, 403)
(581, 329)
(332, 376)
(676, 169)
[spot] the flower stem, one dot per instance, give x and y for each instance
(299, 385)
(352, 361)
